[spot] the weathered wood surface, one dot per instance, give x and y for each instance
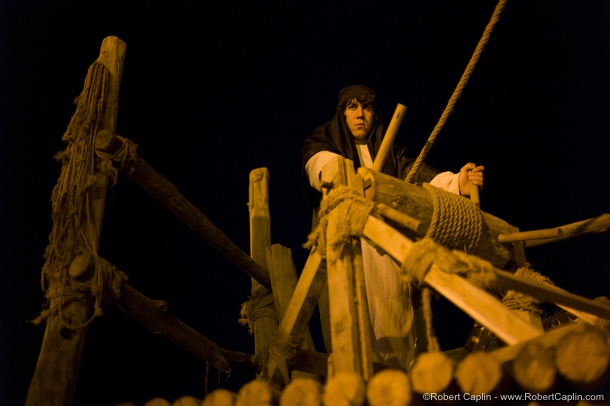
(416, 202)
(534, 367)
(260, 238)
(54, 380)
(168, 195)
(597, 224)
(349, 315)
(302, 304)
(432, 372)
(153, 315)
(283, 275)
(552, 294)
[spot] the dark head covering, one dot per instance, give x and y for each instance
(335, 136)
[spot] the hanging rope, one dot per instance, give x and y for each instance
(73, 233)
(458, 91)
(420, 258)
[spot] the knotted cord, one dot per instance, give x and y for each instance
(458, 91)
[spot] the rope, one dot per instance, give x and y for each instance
(456, 222)
(126, 158)
(282, 347)
(519, 301)
(458, 90)
(255, 308)
(351, 211)
(423, 254)
(73, 232)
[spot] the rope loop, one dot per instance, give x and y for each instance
(255, 308)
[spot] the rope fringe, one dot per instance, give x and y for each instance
(519, 301)
(73, 232)
(351, 211)
(255, 308)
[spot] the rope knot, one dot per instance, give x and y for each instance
(349, 211)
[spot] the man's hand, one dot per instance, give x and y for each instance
(470, 173)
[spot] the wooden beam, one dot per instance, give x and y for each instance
(300, 308)
(284, 279)
(260, 238)
(168, 195)
(480, 305)
(56, 374)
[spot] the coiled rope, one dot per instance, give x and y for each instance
(456, 222)
(457, 92)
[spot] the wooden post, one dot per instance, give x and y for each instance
(349, 315)
(300, 309)
(260, 239)
(283, 276)
(56, 374)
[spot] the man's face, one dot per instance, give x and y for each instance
(359, 118)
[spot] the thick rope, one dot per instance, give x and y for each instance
(352, 211)
(456, 223)
(72, 231)
(521, 302)
(457, 92)
(125, 158)
(282, 348)
(423, 254)
(255, 308)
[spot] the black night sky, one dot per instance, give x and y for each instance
(210, 92)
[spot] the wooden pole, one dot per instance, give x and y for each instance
(260, 239)
(56, 374)
(284, 279)
(389, 137)
(168, 195)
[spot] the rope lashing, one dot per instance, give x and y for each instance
(423, 254)
(282, 348)
(72, 231)
(105, 287)
(519, 301)
(125, 158)
(458, 91)
(352, 210)
(255, 308)
(456, 223)
(426, 252)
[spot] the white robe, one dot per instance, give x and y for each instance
(391, 311)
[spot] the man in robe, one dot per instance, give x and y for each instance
(356, 132)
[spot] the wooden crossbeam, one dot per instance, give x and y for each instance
(479, 304)
(300, 308)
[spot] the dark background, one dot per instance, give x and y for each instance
(210, 92)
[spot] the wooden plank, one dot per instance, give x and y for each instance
(168, 195)
(260, 238)
(479, 304)
(552, 294)
(284, 279)
(301, 306)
